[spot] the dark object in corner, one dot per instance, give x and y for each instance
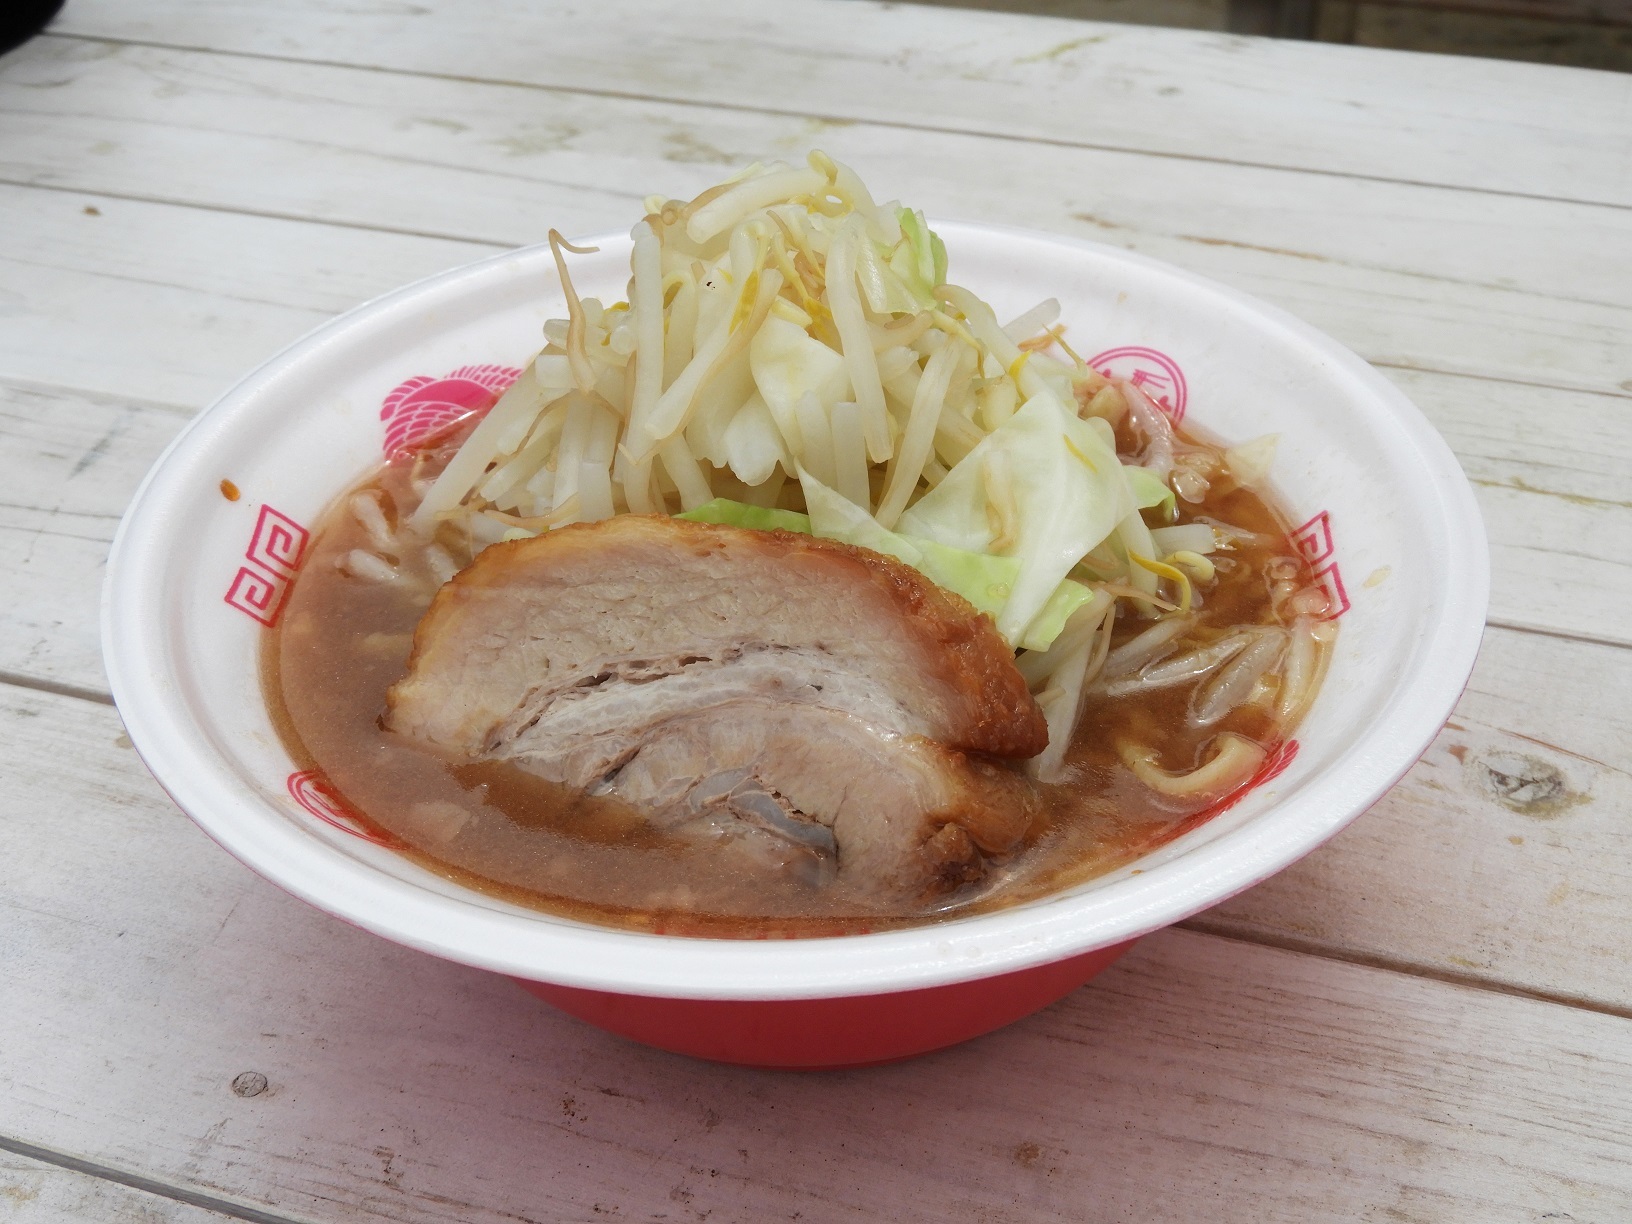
(20, 20)
(1276, 18)
(1334, 20)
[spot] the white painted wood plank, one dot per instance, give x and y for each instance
(1505, 855)
(70, 464)
(1513, 288)
(1464, 122)
(1202, 1078)
(33, 1192)
(154, 303)
(1551, 473)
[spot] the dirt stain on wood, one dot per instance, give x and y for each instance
(688, 149)
(1517, 484)
(1253, 246)
(1100, 222)
(533, 140)
(1059, 49)
(19, 1194)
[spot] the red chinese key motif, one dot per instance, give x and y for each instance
(1153, 372)
(1316, 547)
(274, 554)
(423, 407)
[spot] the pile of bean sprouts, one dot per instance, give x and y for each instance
(783, 333)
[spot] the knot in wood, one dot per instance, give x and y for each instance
(249, 1084)
(1522, 783)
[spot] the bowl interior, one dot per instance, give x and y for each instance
(1385, 518)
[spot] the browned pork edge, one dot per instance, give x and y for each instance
(987, 705)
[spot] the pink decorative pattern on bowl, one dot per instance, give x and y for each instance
(1152, 371)
(423, 407)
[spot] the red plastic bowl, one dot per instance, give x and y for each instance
(828, 1034)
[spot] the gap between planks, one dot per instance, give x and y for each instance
(1411, 368)
(1291, 943)
(136, 1181)
(1516, 626)
(41, 685)
(826, 117)
(103, 193)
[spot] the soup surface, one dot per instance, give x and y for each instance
(347, 632)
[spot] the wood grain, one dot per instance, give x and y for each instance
(156, 303)
(45, 1192)
(1597, 12)
(1504, 856)
(1200, 1075)
(1408, 276)
(72, 462)
(188, 186)
(1462, 122)
(149, 301)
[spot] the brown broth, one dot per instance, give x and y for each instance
(494, 827)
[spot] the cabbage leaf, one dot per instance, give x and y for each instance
(1073, 496)
(834, 516)
(1149, 489)
(984, 579)
(918, 261)
(728, 513)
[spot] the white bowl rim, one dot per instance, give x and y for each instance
(978, 946)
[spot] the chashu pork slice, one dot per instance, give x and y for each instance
(826, 703)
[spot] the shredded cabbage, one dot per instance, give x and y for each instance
(1149, 490)
(737, 514)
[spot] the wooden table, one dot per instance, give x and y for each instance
(1428, 1020)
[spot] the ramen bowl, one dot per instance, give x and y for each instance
(204, 559)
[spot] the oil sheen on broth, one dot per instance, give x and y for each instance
(345, 638)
